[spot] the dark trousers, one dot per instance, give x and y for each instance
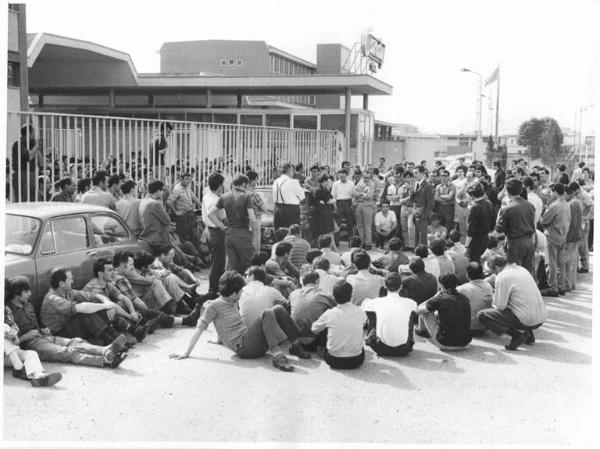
(185, 229)
(285, 215)
(477, 247)
(591, 235)
(239, 247)
(274, 326)
(345, 362)
(420, 230)
(503, 322)
(521, 251)
(344, 210)
(216, 244)
(398, 231)
(379, 346)
(84, 325)
(446, 213)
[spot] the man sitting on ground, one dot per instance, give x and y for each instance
(165, 255)
(280, 265)
(518, 304)
(344, 326)
(459, 259)
(355, 244)
(392, 261)
(51, 348)
(332, 256)
(299, 246)
(458, 247)
(447, 316)
(275, 327)
(256, 296)
(479, 293)
(364, 284)
(326, 280)
(420, 285)
(391, 320)
(385, 224)
(307, 305)
(435, 231)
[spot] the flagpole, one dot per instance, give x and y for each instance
(498, 115)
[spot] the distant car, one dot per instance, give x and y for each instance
(41, 236)
(266, 222)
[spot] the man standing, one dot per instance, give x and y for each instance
(444, 197)
(577, 173)
(423, 200)
(181, 202)
(259, 207)
(216, 234)
(461, 212)
(364, 194)
(98, 194)
(342, 191)
(533, 198)
(66, 190)
(517, 222)
(114, 186)
(556, 224)
(154, 217)
(287, 194)
(393, 196)
(407, 209)
(240, 212)
(128, 207)
(588, 218)
(574, 235)
(499, 176)
(518, 304)
(481, 221)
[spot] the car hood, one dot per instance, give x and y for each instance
(11, 258)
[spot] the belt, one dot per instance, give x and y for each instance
(214, 228)
(286, 205)
(349, 199)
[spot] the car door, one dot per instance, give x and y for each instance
(65, 243)
(110, 234)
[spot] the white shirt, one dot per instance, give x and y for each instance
(537, 202)
(386, 223)
(342, 190)
(344, 324)
(392, 191)
(393, 317)
(333, 257)
(460, 184)
(517, 291)
(480, 294)
(208, 200)
(327, 281)
(255, 298)
(364, 285)
(287, 190)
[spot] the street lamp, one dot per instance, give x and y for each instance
(479, 94)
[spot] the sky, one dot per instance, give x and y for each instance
(548, 51)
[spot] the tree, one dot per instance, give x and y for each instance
(531, 136)
(552, 141)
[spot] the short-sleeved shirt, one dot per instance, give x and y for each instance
(57, 310)
(308, 304)
(236, 204)
(255, 298)
(109, 290)
(395, 318)
(227, 320)
(454, 314)
(480, 295)
(344, 324)
(364, 285)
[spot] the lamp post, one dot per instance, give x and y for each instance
(581, 111)
(479, 95)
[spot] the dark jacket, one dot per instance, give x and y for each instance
(517, 219)
(419, 287)
(423, 198)
(481, 218)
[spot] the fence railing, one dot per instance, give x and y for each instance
(75, 146)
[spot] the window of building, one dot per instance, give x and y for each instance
(231, 62)
(14, 75)
(223, 62)
(238, 62)
(278, 120)
(305, 121)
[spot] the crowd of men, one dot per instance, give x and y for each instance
(485, 251)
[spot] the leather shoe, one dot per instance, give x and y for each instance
(529, 337)
(298, 350)
(120, 343)
(153, 325)
(516, 341)
(117, 359)
(46, 380)
(583, 270)
(562, 292)
(281, 362)
(20, 374)
(141, 332)
(549, 292)
(192, 318)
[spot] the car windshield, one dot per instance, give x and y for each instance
(267, 197)
(21, 233)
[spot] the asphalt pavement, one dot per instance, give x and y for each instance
(539, 394)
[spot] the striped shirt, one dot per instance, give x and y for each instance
(300, 248)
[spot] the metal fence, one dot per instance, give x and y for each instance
(76, 146)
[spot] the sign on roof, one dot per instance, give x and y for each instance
(373, 48)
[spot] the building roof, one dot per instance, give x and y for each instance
(287, 55)
(61, 64)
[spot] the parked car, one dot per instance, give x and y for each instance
(42, 236)
(266, 221)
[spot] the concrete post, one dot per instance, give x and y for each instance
(347, 108)
(366, 102)
(209, 98)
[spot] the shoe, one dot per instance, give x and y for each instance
(140, 332)
(529, 337)
(516, 341)
(118, 359)
(153, 325)
(423, 333)
(299, 351)
(192, 318)
(549, 292)
(130, 341)
(281, 362)
(20, 373)
(183, 308)
(112, 349)
(368, 247)
(562, 292)
(583, 270)
(46, 380)
(120, 343)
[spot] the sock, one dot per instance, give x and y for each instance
(177, 321)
